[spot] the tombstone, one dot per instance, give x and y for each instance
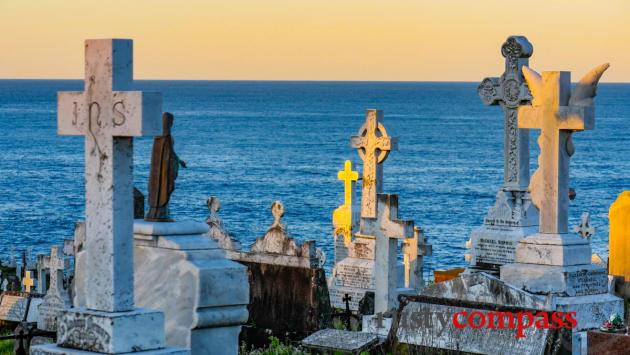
(75, 248)
(109, 119)
(370, 263)
(414, 251)
(619, 238)
(288, 292)
(513, 215)
(345, 217)
(41, 274)
(553, 261)
(57, 299)
(217, 232)
(28, 282)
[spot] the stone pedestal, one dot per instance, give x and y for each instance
(182, 272)
(559, 267)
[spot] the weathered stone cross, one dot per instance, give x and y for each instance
(386, 229)
(414, 250)
(510, 91)
(108, 118)
(56, 265)
(557, 114)
(342, 216)
(374, 146)
(584, 229)
(28, 281)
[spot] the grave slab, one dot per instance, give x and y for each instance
(574, 280)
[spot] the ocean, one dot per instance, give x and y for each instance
(253, 142)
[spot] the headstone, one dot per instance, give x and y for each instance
(57, 299)
(335, 341)
(553, 261)
(217, 231)
(41, 274)
(345, 217)
(619, 238)
(288, 294)
(426, 324)
(109, 118)
(414, 251)
(13, 307)
(513, 215)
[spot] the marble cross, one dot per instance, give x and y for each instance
(584, 229)
(342, 216)
(374, 146)
(108, 117)
(28, 281)
(557, 113)
(386, 229)
(510, 91)
(56, 264)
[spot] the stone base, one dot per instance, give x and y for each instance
(554, 249)
(575, 280)
(203, 295)
(57, 350)
(591, 311)
(111, 333)
(493, 246)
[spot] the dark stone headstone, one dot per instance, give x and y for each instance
(366, 304)
(607, 343)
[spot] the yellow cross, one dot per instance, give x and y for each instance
(342, 216)
(27, 281)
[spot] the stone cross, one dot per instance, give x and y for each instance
(56, 264)
(510, 91)
(28, 281)
(109, 117)
(374, 146)
(342, 216)
(386, 229)
(414, 250)
(584, 229)
(557, 114)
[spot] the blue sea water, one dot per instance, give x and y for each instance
(251, 143)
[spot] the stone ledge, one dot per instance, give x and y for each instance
(57, 350)
(111, 333)
(553, 249)
(143, 227)
(560, 280)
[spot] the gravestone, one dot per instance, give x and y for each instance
(109, 118)
(513, 215)
(28, 282)
(368, 261)
(57, 299)
(430, 325)
(414, 251)
(19, 307)
(584, 229)
(554, 262)
(619, 238)
(41, 275)
(288, 293)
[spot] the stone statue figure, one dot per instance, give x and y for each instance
(164, 169)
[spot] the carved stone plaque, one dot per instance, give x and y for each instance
(13, 308)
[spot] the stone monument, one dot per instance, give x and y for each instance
(368, 263)
(345, 217)
(109, 118)
(57, 299)
(217, 231)
(554, 262)
(513, 215)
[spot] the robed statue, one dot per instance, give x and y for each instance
(164, 169)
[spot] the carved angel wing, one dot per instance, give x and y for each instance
(534, 82)
(586, 89)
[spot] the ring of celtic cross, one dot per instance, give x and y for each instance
(379, 132)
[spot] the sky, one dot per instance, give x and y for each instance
(385, 40)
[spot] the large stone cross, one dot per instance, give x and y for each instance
(56, 264)
(557, 113)
(109, 117)
(342, 216)
(510, 91)
(374, 146)
(386, 229)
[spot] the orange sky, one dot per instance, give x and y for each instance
(413, 40)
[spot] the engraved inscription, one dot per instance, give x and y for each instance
(13, 308)
(495, 251)
(119, 116)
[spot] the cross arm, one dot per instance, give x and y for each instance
(71, 107)
(136, 113)
(530, 117)
(489, 91)
(357, 141)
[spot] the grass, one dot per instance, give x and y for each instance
(6, 346)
